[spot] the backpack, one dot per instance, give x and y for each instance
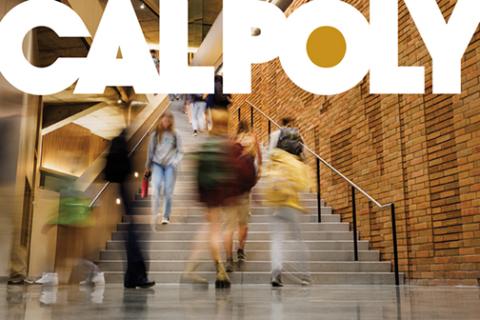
(118, 166)
(214, 174)
(223, 172)
(290, 141)
(243, 164)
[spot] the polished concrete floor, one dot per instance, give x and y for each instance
(240, 302)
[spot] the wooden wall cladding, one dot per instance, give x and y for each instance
(71, 149)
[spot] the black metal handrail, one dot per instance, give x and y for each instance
(354, 188)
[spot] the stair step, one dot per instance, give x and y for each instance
(193, 224)
(199, 217)
(252, 235)
(324, 278)
(193, 202)
(194, 195)
(258, 255)
(178, 210)
(251, 245)
(256, 266)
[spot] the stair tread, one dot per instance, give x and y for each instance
(252, 251)
(268, 272)
(260, 261)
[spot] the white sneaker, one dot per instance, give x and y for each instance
(97, 295)
(50, 279)
(48, 295)
(85, 283)
(165, 221)
(98, 279)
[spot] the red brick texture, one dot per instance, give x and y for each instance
(421, 152)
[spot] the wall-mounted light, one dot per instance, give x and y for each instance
(118, 201)
(142, 5)
(119, 101)
(136, 174)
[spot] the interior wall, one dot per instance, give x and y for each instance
(64, 150)
(43, 240)
(18, 132)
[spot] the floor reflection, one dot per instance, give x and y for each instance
(239, 302)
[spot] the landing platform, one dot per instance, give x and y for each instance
(240, 302)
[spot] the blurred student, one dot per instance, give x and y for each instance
(164, 155)
(286, 176)
(217, 101)
(287, 138)
(187, 106)
(199, 105)
(215, 176)
(117, 170)
(238, 215)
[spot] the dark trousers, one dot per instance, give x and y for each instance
(136, 268)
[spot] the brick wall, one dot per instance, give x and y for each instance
(420, 151)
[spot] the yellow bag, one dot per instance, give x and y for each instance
(285, 177)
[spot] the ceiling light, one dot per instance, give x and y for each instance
(142, 5)
(119, 101)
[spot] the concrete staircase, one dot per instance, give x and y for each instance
(330, 242)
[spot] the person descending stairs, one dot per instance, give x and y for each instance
(170, 246)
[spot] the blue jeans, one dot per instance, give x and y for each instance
(163, 181)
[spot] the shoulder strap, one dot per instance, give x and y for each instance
(155, 140)
(175, 139)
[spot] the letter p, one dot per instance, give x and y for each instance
(241, 48)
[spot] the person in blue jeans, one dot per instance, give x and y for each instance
(164, 155)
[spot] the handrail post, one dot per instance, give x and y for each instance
(319, 198)
(239, 114)
(269, 130)
(354, 221)
(251, 118)
(395, 245)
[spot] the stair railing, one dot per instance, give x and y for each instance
(354, 188)
(130, 154)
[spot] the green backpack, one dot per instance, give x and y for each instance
(214, 173)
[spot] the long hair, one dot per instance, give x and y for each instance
(160, 129)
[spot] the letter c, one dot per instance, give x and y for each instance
(14, 65)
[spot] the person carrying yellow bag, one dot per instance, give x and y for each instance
(286, 177)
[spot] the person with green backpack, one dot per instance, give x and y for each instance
(216, 178)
